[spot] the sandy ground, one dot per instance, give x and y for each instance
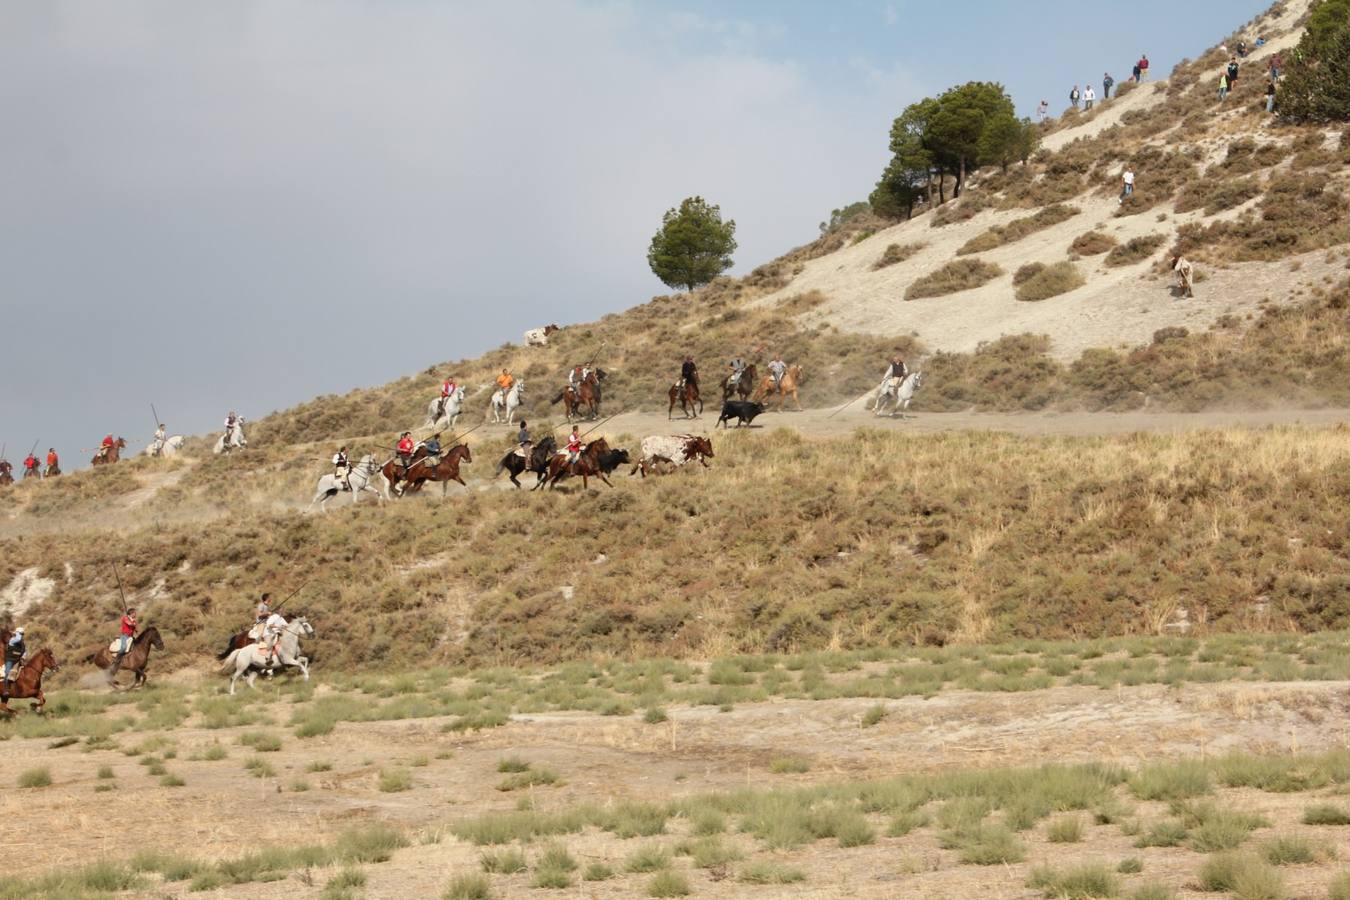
(223, 810)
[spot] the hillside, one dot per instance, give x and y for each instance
(829, 531)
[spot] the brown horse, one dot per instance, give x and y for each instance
(108, 455)
(792, 378)
(688, 399)
(445, 470)
(52, 471)
(394, 471)
(744, 387)
(587, 465)
(27, 684)
(586, 394)
(136, 658)
(6, 472)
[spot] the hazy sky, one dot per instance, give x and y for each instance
(244, 204)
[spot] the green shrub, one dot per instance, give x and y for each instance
(668, 884)
(1135, 250)
(1339, 889)
(512, 764)
(874, 715)
(1326, 814)
(261, 741)
(598, 871)
(1132, 865)
(392, 781)
(1068, 830)
(1171, 781)
(1167, 833)
(1292, 849)
(789, 765)
(766, 871)
(896, 253)
(987, 845)
(1247, 877)
(1047, 281)
(961, 275)
(1153, 892)
(1080, 882)
(39, 777)
(468, 887)
(1092, 243)
(647, 859)
(503, 862)
(654, 715)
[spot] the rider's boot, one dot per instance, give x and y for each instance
(112, 670)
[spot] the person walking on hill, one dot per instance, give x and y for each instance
(1074, 96)
(1232, 73)
(1107, 83)
(1088, 98)
(1042, 111)
(1223, 86)
(1126, 184)
(1276, 64)
(1134, 73)
(1143, 67)
(1185, 276)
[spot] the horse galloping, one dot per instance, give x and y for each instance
(136, 659)
(110, 454)
(168, 447)
(587, 465)
(586, 394)
(232, 440)
(787, 386)
(505, 403)
(514, 463)
(688, 399)
(6, 472)
(27, 684)
(447, 408)
(254, 658)
(898, 391)
(359, 479)
(744, 386)
(445, 469)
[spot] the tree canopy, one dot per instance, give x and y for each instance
(967, 126)
(693, 245)
(1316, 84)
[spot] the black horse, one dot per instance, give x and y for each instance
(537, 463)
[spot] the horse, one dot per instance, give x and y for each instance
(792, 378)
(360, 478)
(586, 394)
(744, 387)
(515, 464)
(27, 684)
(171, 445)
(394, 471)
(444, 470)
(507, 402)
(232, 440)
(687, 397)
(30, 473)
(137, 658)
(52, 471)
(899, 391)
(587, 465)
(106, 456)
(6, 472)
(447, 408)
(254, 658)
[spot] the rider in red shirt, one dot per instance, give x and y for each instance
(30, 465)
(124, 642)
(573, 446)
(405, 448)
(52, 459)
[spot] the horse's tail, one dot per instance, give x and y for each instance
(561, 394)
(229, 648)
(501, 466)
(229, 660)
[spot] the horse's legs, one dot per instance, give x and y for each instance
(252, 677)
(601, 476)
(41, 702)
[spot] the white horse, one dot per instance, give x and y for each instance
(898, 391)
(172, 445)
(505, 404)
(253, 658)
(236, 439)
(453, 403)
(360, 478)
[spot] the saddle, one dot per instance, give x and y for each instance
(116, 646)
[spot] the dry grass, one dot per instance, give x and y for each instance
(960, 275)
(896, 253)
(1001, 235)
(1092, 243)
(1038, 281)
(1135, 250)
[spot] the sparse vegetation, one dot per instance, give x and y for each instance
(1001, 235)
(38, 777)
(1135, 250)
(896, 253)
(1092, 243)
(960, 275)
(1037, 281)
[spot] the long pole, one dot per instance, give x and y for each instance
(126, 607)
(156, 414)
(849, 403)
(601, 422)
(302, 586)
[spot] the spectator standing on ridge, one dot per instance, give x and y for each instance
(1134, 73)
(1075, 96)
(1270, 96)
(1276, 64)
(1107, 83)
(1043, 111)
(1126, 184)
(1143, 67)
(1242, 49)
(1088, 97)
(1223, 86)
(1232, 72)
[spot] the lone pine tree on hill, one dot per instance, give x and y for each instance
(693, 245)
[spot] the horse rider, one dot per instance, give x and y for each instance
(106, 446)
(433, 448)
(505, 382)
(573, 446)
(128, 633)
(448, 388)
(575, 377)
(272, 631)
(688, 372)
(230, 422)
(523, 439)
(264, 609)
(30, 466)
(53, 461)
(406, 445)
(737, 366)
(157, 445)
(777, 369)
(342, 468)
(896, 369)
(14, 653)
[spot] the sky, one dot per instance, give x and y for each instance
(211, 206)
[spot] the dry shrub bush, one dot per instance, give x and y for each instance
(959, 275)
(962, 210)
(1311, 152)
(797, 304)
(1135, 250)
(1092, 243)
(896, 253)
(1000, 235)
(1217, 194)
(1246, 156)
(1298, 213)
(1158, 175)
(1048, 281)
